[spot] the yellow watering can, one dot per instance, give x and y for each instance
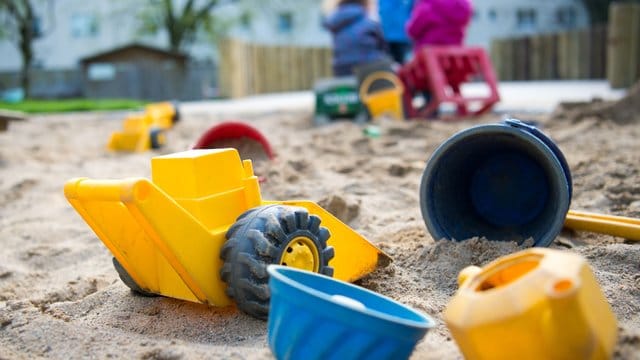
(535, 304)
(383, 101)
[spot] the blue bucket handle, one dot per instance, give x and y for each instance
(514, 123)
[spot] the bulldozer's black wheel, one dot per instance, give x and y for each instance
(127, 280)
(176, 111)
(271, 234)
(155, 137)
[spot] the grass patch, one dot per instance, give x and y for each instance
(72, 105)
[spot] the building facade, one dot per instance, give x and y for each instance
(511, 18)
(73, 29)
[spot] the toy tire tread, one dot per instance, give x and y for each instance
(176, 108)
(257, 239)
(154, 137)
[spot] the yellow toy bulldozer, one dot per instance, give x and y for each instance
(201, 232)
(144, 131)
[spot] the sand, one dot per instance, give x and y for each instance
(60, 297)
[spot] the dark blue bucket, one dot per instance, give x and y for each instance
(506, 182)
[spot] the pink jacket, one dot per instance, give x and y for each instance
(439, 22)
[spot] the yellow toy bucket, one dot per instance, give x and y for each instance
(384, 101)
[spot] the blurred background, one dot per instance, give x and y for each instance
(203, 49)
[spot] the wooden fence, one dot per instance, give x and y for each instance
(46, 83)
(609, 51)
(137, 81)
(579, 54)
(247, 69)
(623, 55)
(195, 82)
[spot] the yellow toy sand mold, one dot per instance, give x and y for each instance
(625, 227)
(385, 101)
(182, 235)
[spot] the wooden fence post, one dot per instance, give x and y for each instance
(635, 44)
(623, 56)
(503, 58)
(598, 52)
(494, 55)
(564, 51)
(224, 82)
(582, 58)
(538, 58)
(522, 56)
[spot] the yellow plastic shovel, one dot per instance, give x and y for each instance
(625, 227)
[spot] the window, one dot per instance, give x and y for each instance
(493, 15)
(36, 27)
(245, 20)
(84, 25)
(566, 16)
(526, 19)
(101, 72)
(285, 22)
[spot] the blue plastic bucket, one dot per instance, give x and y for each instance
(313, 316)
(506, 182)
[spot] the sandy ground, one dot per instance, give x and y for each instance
(61, 298)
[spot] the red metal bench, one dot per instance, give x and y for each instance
(441, 70)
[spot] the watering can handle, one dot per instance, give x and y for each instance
(378, 75)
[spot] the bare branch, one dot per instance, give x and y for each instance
(188, 7)
(204, 12)
(13, 9)
(182, 24)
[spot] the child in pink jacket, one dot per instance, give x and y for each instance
(439, 22)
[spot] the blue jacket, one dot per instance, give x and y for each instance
(393, 18)
(356, 38)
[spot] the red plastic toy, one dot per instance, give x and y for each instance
(441, 70)
(233, 130)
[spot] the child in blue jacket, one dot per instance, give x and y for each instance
(393, 18)
(357, 39)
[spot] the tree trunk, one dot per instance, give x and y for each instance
(27, 58)
(25, 28)
(175, 40)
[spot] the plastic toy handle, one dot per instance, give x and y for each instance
(378, 75)
(547, 141)
(467, 273)
(625, 227)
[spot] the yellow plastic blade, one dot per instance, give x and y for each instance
(355, 256)
(162, 247)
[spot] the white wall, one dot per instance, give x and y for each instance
(264, 28)
(505, 23)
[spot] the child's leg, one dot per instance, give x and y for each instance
(342, 70)
(398, 51)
